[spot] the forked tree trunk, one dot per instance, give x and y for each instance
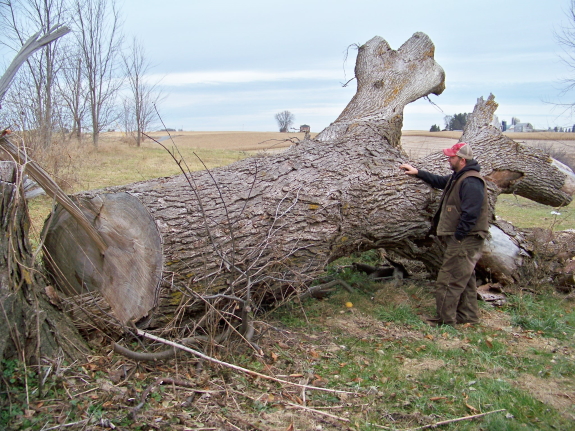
(510, 168)
(267, 226)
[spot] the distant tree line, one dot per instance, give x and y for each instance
(455, 122)
(452, 122)
(87, 81)
(458, 122)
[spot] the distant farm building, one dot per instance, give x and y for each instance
(304, 128)
(521, 127)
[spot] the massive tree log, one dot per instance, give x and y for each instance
(268, 225)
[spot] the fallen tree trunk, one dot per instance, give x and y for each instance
(266, 227)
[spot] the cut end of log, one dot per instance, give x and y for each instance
(128, 275)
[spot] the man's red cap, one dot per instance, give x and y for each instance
(460, 149)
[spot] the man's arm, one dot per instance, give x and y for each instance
(435, 181)
(471, 193)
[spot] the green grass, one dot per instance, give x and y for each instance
(524, 213)
(541, 314)
(419, 374)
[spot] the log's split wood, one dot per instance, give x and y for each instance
(267, 226)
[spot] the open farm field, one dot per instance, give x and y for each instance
(236, 141)
(419, 143)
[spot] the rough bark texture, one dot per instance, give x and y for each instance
(30, 327)
(268, 225)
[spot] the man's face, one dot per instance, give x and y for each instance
(456, 163)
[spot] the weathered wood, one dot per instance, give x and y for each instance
(265, 226)
(128, 274)
(33, 44)
(52, 189)
(30, 327)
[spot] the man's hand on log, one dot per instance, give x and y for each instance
(408, 169)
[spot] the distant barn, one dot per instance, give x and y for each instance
(304, 128)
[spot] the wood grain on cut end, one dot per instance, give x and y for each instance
(128, 275)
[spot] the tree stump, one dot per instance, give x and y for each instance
(30, 326)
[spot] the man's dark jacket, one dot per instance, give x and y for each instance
(471, 193)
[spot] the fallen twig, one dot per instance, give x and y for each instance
(234, 367)
(137, 356)
(329, 415)
(450, 421)
(71, 424)
(325, 288)
(160, 381)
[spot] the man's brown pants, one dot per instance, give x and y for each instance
(456, 289)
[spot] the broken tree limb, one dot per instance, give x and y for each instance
(449, 421)
(510, 168)
(30, 327)
(33, 44)
(53, 190)
(235, 367)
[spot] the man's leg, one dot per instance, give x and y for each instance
(455, 275)
(468, 309)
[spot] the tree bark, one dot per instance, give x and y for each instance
(266, 227)
(30, 326)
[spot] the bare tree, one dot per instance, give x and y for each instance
(72, 88)
(99, 38)
(285, 119)
(566, 38)
(33, 97)
(448, 119)
(139, 107)
(33, 328)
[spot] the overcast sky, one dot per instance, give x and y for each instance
(232, 65)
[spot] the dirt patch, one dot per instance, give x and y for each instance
(554, 392)
(415, 367)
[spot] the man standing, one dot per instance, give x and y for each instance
(462, 224)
